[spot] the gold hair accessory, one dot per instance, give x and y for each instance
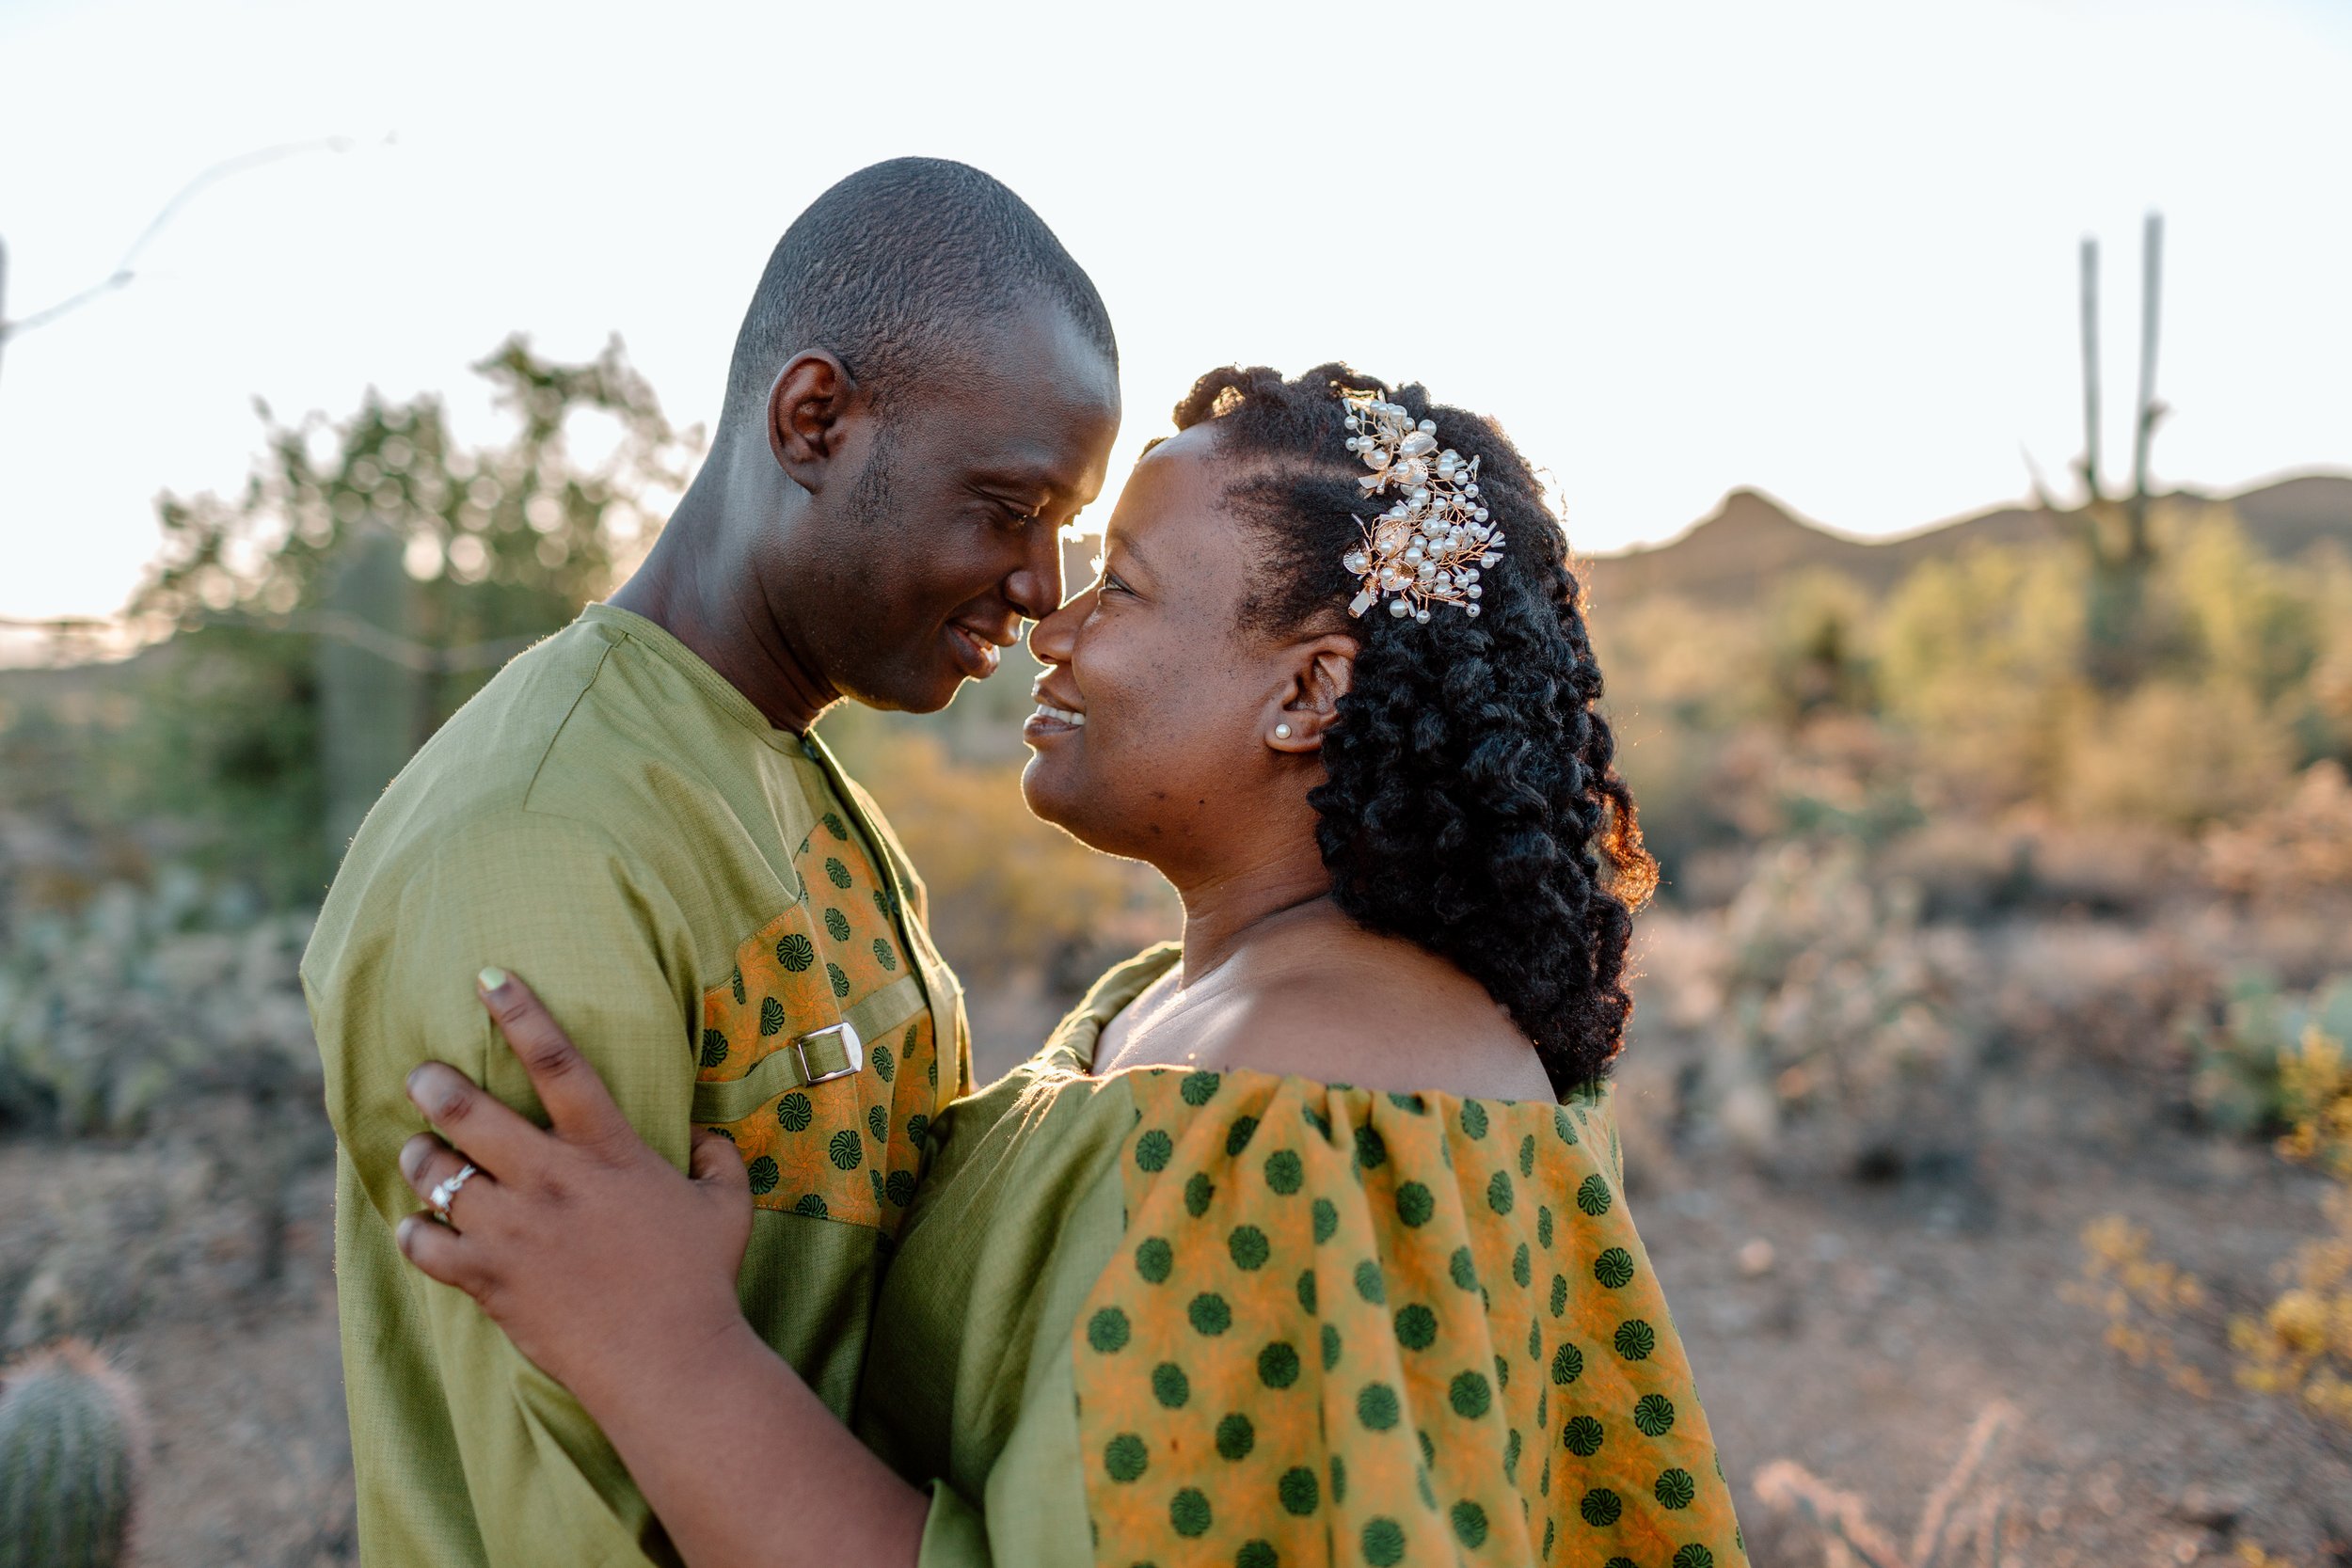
(1430, 545)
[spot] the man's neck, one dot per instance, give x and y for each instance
(703, 585)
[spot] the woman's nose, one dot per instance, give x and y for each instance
(1052, 639)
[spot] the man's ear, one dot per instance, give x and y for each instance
(812, 395)
(1321, 672)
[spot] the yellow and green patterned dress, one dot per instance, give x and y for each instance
(1169, 1316)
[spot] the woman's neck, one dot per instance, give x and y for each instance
(1226, 909)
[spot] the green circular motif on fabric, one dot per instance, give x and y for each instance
(1527, 1155)
(764, 1176)
(838, 924)
(1326, 1219)
(1473, 1119)
(1107, 1331)
(1383, 1541)
(1535, 1340)
(1512, 1446)
(1674, 1488)
(1415, 1204)
(1278, 1365)
(1369, 1284)
(1316, 1119)
(1600, 1507)
(1371, 1150)
(1692, 1556)
(885, 1063)
(840, 981)
(1238, 1135)
(1567, 1365)
(1472, 1395)
(1416, 1327)
(1428, 1450)
(875, 1176)
(1301, 1494)
(882, 903)
(1310, 1295)
(1154, 1150)
(1126, 1457)
(1198, 1087)
(1635, 1339)
(1330, 1347)
(1613, 1268)
(1249, 1246)
(714, 1048)
(1548, 1524)
(1284, 1171)
(1582, 1436)
(1654, 1415)
(1408, 1103)
(899, 1189)
(770, 1016)
(917, 1125)
(1592, 1196)
(1523, 1267)
(1154, 1259)
(878, 1123)
(795, 952)
(1235, 1437)
(1257, 1554)
(811, 1205)
(1170, 1385)
(884, 956)
(1543, 1225)
(1558, 1295)
(1503, 1373)
(1562, 1126)
(1543, 1409)
(1209, 1313)
(1499, 1193)
(837, 873)
(845, 1151)
(930, 1071)
(1376, 1406)
(833, 826)
(1421, 1482)
(1199, 1189)
(1469, 1523)
(738, 984)
(1463, 1268)
(1620, 1563)
(1189, 1513)
(1339, 1479)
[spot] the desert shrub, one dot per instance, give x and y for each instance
(2300, 1346)
(2178, 757)
(2250, 1066)
(2298, 847)
(114, 1010)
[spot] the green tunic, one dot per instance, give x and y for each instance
(1233, 1319)
(690, 890)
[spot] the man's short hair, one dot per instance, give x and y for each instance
(895, 266)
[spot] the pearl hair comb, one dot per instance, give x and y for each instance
(1429, 546)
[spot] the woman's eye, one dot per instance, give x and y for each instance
(1111, 583)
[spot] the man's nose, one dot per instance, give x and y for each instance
(1035, 586)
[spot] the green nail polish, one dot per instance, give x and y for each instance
(492, 979)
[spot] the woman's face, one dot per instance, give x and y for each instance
(1150, 737)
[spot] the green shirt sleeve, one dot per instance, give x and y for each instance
(557, 903)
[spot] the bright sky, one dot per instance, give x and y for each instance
(1824, 248)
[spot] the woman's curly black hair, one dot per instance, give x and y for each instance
(1473, 804)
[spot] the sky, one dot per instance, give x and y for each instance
(1824, 249)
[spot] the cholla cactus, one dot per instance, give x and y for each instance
(72, 1440)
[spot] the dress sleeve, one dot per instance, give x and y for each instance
(1347, 1327)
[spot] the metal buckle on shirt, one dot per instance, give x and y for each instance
(852, 1051)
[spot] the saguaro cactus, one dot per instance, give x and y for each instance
(72, 1439)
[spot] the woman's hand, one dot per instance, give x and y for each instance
(601, 1262)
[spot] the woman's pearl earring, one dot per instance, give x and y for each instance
(1282, 732)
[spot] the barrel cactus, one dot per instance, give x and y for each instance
(71, 1437)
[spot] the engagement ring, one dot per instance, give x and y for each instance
(446, 1189)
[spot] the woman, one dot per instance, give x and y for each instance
(1301, 1242)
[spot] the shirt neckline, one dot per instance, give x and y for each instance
(663, 644)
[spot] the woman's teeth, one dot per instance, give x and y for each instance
(1062, 716)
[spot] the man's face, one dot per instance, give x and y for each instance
(947, 535)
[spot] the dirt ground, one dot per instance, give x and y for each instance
(1857, 1328)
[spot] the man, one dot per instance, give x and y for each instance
(633, 816)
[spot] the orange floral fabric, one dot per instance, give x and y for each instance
(849, 1149)
(1349, 1327)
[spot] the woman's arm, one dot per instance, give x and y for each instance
(615, 1276)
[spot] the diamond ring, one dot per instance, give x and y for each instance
(447, 1188)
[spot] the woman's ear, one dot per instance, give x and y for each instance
(1321, 672)
(805, 409)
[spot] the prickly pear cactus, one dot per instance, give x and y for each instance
(71, 1437)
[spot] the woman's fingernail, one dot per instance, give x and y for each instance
(492, 980)
(400, 1232)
